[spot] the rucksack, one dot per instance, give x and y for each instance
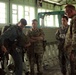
(5, 28)
(2, 31)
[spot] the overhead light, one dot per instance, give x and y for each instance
(52, 2)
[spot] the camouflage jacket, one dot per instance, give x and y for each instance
(60, 34)
(38, 45)
(70, 39)
(73, 32)
(12, 34)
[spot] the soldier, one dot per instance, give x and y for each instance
(71, 13)
(16, 41)
(36, 50)
(60, 36)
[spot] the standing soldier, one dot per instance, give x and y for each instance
(36, 50)
(71, 13)
(60, 36)
(15, 41)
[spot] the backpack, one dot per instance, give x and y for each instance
(6, 43)
(5, 28)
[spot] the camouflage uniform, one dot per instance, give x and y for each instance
(67, 44)
(16, 40)
(72, 44)
(60, 36)
(35, 51)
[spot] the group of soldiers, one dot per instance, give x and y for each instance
(13, 41)
(66, 36)
(33, 41)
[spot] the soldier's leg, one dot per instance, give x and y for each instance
(17, 57)
(31, 62)
(73, 63)
(62, 61)
(30, 56)
(40, 63)
(63, 65)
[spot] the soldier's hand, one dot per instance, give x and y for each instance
(27, 45)
(4, 49)
(72, 56)
(38, 38)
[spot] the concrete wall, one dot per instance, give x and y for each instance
(49, 33)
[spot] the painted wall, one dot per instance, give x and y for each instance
(49, 32)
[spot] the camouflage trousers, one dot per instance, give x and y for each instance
(36, 58)
(63, 62)
(73, 62)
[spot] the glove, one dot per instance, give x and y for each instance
(73, 55)
(4, 49)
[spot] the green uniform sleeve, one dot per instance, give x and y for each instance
(73, 23)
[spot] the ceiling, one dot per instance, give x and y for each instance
(61, 2)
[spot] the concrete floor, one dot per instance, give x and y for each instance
(50, 62)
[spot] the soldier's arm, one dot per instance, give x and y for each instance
(57, 34)
(3, 48)
(37, 38)
(6, 35)
(40, 37)
(27, 45)
(32, 40)
(74, 34)
(30, 37)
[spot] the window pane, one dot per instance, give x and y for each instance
(39, 10)
(33, 14)
(14, 6)
(26, 8)
(2, 5)
(14, 11)
(45, 20)
(3, 13)
(48, 21)
(20, 12)
(29, 14)
(56, 21)
(14, 19)
(26, 13)
(43, 10)
(2, 20)
(17, 13)
(48, 10)
(27, 18)
(41, 22)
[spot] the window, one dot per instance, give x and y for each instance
(56, 21)
(17, 13)
(29, 14)
(49, 21)
(43, 10)
(14, 13)
(20, 11)
(3, 14)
